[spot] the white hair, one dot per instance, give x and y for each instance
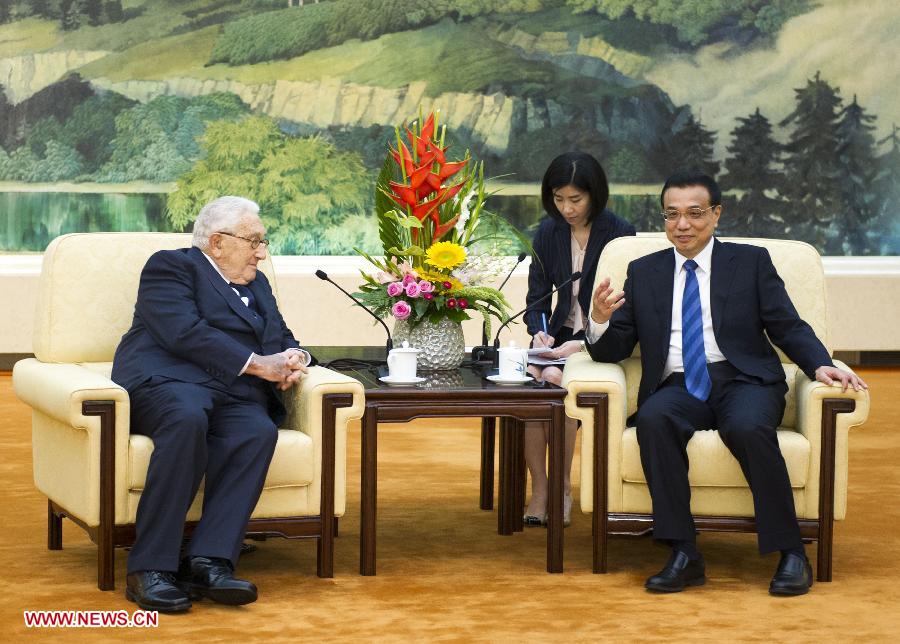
(222, 214)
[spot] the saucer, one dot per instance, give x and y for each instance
(394, 380)
(516, 380)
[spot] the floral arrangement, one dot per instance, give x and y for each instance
(428, 212)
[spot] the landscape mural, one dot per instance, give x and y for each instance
(128, 115)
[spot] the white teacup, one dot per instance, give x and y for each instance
(513, 363)
(401, 362)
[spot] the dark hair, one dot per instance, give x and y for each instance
(578, 169)
(687, 178)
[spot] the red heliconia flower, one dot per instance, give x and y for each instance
(403, 194)
(442, 229)
(449, 169)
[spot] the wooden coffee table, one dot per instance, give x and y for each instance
(463, 393)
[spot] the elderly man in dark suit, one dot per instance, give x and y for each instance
(203, 363)
(701, 312)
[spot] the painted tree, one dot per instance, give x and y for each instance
(750, 168)
(70, 14)
(5, 11)
(94, 11)
(811, 164)
(692, 147)
(113, 11)
(887, 189)
(858, 167)
(305, 186)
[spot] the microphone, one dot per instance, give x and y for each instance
(490, 352)
(322, 275)
(519, 260)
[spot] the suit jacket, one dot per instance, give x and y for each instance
(551, 265)
(748, 301)
(189, 325)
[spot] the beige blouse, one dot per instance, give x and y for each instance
(575, 320)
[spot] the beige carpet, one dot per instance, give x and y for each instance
(445, 574)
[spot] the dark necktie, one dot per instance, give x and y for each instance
(243, 291)
(693, 353)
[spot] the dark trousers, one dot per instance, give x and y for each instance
(199, 430)
(746, 414)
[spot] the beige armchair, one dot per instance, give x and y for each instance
(813, 434)
(86, 462)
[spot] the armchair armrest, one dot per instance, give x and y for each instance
(825, 415)
(307, 412)
(582, 375)
(67, 464)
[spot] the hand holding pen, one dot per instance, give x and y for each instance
(543, 338)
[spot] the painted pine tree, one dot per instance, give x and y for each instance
(887, 188)
(692, 147)
(856, 161)
(751, 169)
(811, 165)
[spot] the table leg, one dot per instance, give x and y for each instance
(506, 497)
(518, 507)
(487, 463)
(555, 505)
(368, 491)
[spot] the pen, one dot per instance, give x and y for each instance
(544, 323)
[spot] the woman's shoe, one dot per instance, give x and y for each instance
(532, 521)
(567, 510)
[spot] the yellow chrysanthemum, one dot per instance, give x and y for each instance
(445, 255)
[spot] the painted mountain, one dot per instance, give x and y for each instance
(128, 115)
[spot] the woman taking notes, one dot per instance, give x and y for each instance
(574, 193)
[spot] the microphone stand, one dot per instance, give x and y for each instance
(492, 352)
(519, 260)
(322, 275)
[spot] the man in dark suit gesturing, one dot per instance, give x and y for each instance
(701, 312)
(202, 363)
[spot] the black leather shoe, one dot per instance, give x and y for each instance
(793, 576)
(678, 573)
(213, 577)
(156, 590)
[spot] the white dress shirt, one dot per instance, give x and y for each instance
(703, 272)
(305, 355)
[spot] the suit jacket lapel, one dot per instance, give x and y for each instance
(662, 296)
(221, 286)
(563, 238)
(720, 282)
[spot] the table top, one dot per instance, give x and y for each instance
(367, 364)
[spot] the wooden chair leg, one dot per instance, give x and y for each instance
(54, 528)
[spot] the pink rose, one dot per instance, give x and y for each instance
(401, 310)
(394, 289)
(409, 278)
(428, 296)
(425, 286)
(412, 290)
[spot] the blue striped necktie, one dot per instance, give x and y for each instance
(693, 353)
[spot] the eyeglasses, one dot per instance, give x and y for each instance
(691, 213)
(254, 243)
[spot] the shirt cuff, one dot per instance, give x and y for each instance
(246, 364)
(595, 331)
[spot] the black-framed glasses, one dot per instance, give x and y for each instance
(254, 243)
(691, 213)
